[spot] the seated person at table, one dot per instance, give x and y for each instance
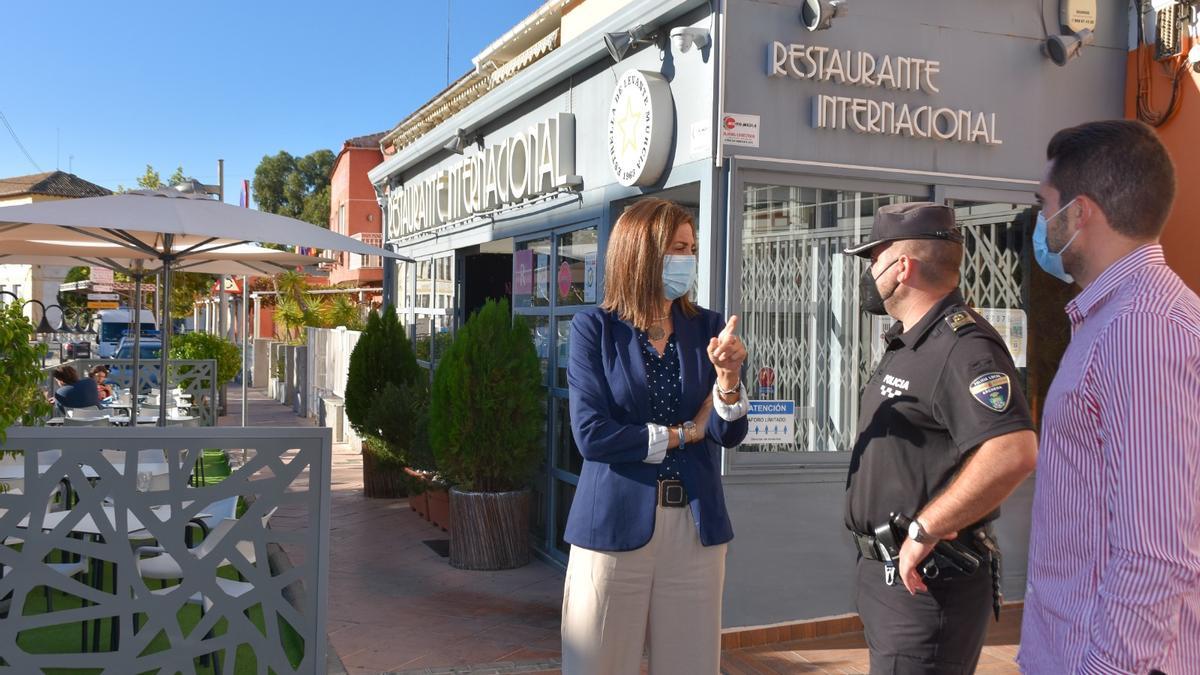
(74, 392)
(100, 374)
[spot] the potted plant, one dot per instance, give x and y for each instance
(21, 377)
(197, 346)
(485, 426)
(385, 400)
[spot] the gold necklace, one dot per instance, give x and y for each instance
(656, 332)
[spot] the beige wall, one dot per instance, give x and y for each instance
(585, 14)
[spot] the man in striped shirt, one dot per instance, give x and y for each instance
(1114, 555)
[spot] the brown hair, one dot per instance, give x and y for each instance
(66, 375)
(100, 369)
(633, 287)
(1122, 166)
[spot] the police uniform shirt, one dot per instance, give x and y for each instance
(940, 390)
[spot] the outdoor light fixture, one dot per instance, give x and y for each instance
(461, 140)
(1193, 57)
(1063, 48)
(819, 14)
(620, 44)
(686, 37)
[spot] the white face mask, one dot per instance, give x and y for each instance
(1048, 260)
(679, 273)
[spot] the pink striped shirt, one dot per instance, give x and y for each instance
(1114, 553)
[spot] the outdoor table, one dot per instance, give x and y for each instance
(123, 420)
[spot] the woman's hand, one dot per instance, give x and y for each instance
(727, 354)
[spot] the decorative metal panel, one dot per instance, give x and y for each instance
(123, 502)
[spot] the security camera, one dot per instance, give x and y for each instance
(686, 37)
(1193, 57)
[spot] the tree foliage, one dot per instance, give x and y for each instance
(196, 346)
(487, 407)
(297, 187)
(21, 378)
(386, 393)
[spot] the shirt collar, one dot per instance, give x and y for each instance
(1113, 278)
(911, 338)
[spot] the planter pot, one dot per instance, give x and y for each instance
(418, 502)
(382, 480)
(439, 507)
(491, 530)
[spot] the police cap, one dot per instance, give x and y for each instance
(914, 220)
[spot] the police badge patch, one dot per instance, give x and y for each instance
(993, 390)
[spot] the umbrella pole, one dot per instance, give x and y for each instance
(136, 379)
(166, 330)
(245, 324)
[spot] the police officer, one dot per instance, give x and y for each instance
(944, 436)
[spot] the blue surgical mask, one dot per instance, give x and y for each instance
(679, 273)
(1051, 261)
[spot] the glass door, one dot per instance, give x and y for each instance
(554, 277)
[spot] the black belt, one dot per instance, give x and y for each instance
(671, 493)
(947, 560)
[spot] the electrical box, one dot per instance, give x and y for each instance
(1075, 15)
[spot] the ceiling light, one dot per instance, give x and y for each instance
(619, 44)
(819, 14)
(1063, 48)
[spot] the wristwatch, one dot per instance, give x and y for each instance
(689, 431)
(917, 533)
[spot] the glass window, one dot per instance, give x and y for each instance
(403, 287)
(575, 267)
(540, 327)
(424, 288)
(807, 339)
(563, 341)
(531, 273)
(567, 453)
(565, 494)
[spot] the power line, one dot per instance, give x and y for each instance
(18, 141)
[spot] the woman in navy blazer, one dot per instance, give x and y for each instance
(655, 393)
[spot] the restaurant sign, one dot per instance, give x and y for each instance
(872, 115)
(526, 164)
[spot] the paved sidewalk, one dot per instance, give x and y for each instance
(396, 605)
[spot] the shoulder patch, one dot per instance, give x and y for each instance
(993, 391)
(959, 320)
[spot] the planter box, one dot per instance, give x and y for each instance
(491, 530)
(382, 481)
(439, 507)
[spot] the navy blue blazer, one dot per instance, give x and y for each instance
(616, 498)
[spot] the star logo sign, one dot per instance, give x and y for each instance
(627, 127)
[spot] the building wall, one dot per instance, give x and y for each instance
(1181, 135)
(352, 190)
(40, 282)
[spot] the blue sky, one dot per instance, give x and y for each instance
(104, 88)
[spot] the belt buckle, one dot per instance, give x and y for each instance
(671, 493)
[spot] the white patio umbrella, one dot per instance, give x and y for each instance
(171, 226)
(244, 260)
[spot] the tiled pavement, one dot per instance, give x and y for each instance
(396, 606)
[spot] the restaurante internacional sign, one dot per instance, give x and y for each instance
(523, 165)
(870, 116)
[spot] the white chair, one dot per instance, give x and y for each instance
(164, 566)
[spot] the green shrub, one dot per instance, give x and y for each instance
(21, 378)
(198, 346)
(386, 395)
(487, 409)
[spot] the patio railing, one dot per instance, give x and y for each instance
(197, 378)
(113, 501)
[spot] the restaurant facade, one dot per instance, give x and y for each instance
(783, 142)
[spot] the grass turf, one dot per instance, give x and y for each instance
(65, 638)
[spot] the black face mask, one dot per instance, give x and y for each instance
(868, 292)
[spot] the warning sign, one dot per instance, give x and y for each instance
(772, 422)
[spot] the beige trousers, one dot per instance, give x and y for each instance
(667, 593)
